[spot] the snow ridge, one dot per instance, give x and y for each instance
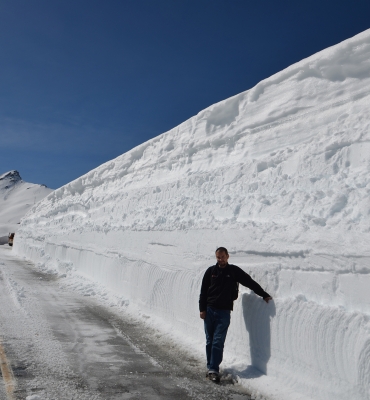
(279, 175)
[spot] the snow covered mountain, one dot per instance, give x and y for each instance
(279, 175)
(16, 198)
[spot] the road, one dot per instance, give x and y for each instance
(56, 344)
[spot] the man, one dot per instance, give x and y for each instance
(218, 292)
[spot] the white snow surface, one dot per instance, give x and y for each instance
(16, 198)
(279, 175)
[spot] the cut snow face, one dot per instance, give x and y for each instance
(279, 175)
(16, 198)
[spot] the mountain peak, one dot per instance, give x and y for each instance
(16, 199)
(13, 176)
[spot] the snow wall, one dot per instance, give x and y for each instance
(279, 175)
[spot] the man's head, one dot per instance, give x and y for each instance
(222, 255)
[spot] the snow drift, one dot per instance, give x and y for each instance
(279, 175)
(16, 198)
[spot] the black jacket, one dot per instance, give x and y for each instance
(218, 287)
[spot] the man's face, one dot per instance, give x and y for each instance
(222, 258)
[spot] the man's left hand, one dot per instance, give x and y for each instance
(267, 299)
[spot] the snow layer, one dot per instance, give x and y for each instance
(279, 175)
(16, 198)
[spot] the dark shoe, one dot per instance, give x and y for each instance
(214, 377)
(209, 372)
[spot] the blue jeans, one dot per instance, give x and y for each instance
(215, 326)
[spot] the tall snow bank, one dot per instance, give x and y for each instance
(279, 175)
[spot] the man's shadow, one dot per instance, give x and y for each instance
(257, 318)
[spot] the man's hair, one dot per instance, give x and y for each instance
(222, 249)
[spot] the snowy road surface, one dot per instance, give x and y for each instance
(61, 345)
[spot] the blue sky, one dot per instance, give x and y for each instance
(84, 81)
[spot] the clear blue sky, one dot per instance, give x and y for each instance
(84, 81)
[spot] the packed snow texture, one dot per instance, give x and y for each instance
(279, 175)
(16, 198)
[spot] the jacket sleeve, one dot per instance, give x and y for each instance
(206, 282)
(246, 280)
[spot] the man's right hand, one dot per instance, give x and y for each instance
(203, 314)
